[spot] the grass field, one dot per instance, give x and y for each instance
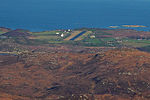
(46, 37)
(108, 39)
(46, 33)
(49, 36)
(1, 32)
(90, 38)
(136, 43)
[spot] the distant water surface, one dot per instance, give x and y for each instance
(39, 15)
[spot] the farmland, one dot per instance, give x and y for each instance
(91, 37)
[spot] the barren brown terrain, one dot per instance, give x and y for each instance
(119, 74)
(104, 65)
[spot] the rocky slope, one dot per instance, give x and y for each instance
(120, 74)
(17, 33)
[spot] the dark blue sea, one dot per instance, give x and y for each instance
(40, 15)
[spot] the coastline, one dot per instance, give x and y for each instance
(132, 27)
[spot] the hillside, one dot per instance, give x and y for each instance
(16, 33)
(119, 74)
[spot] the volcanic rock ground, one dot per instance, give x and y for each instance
(118, 74)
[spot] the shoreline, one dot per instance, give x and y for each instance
(111, 27)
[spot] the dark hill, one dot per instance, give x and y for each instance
(17, 33)
(3, 29)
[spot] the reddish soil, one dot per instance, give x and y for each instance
(119, 74)
(122, 33)
(3, 29)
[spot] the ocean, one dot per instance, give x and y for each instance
(41, 15)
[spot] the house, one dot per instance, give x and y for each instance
(62, 35)
(57, 33)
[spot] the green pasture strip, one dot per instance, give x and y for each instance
(136, 43)
(108, 39)
(46, 33)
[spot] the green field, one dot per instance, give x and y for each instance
(1, 32)
(136, 43)
(92, 37)
(108, 39)
(46, 33)
(49, 36)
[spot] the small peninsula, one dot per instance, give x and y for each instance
(133, 26)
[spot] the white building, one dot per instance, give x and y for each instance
(62, 35)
